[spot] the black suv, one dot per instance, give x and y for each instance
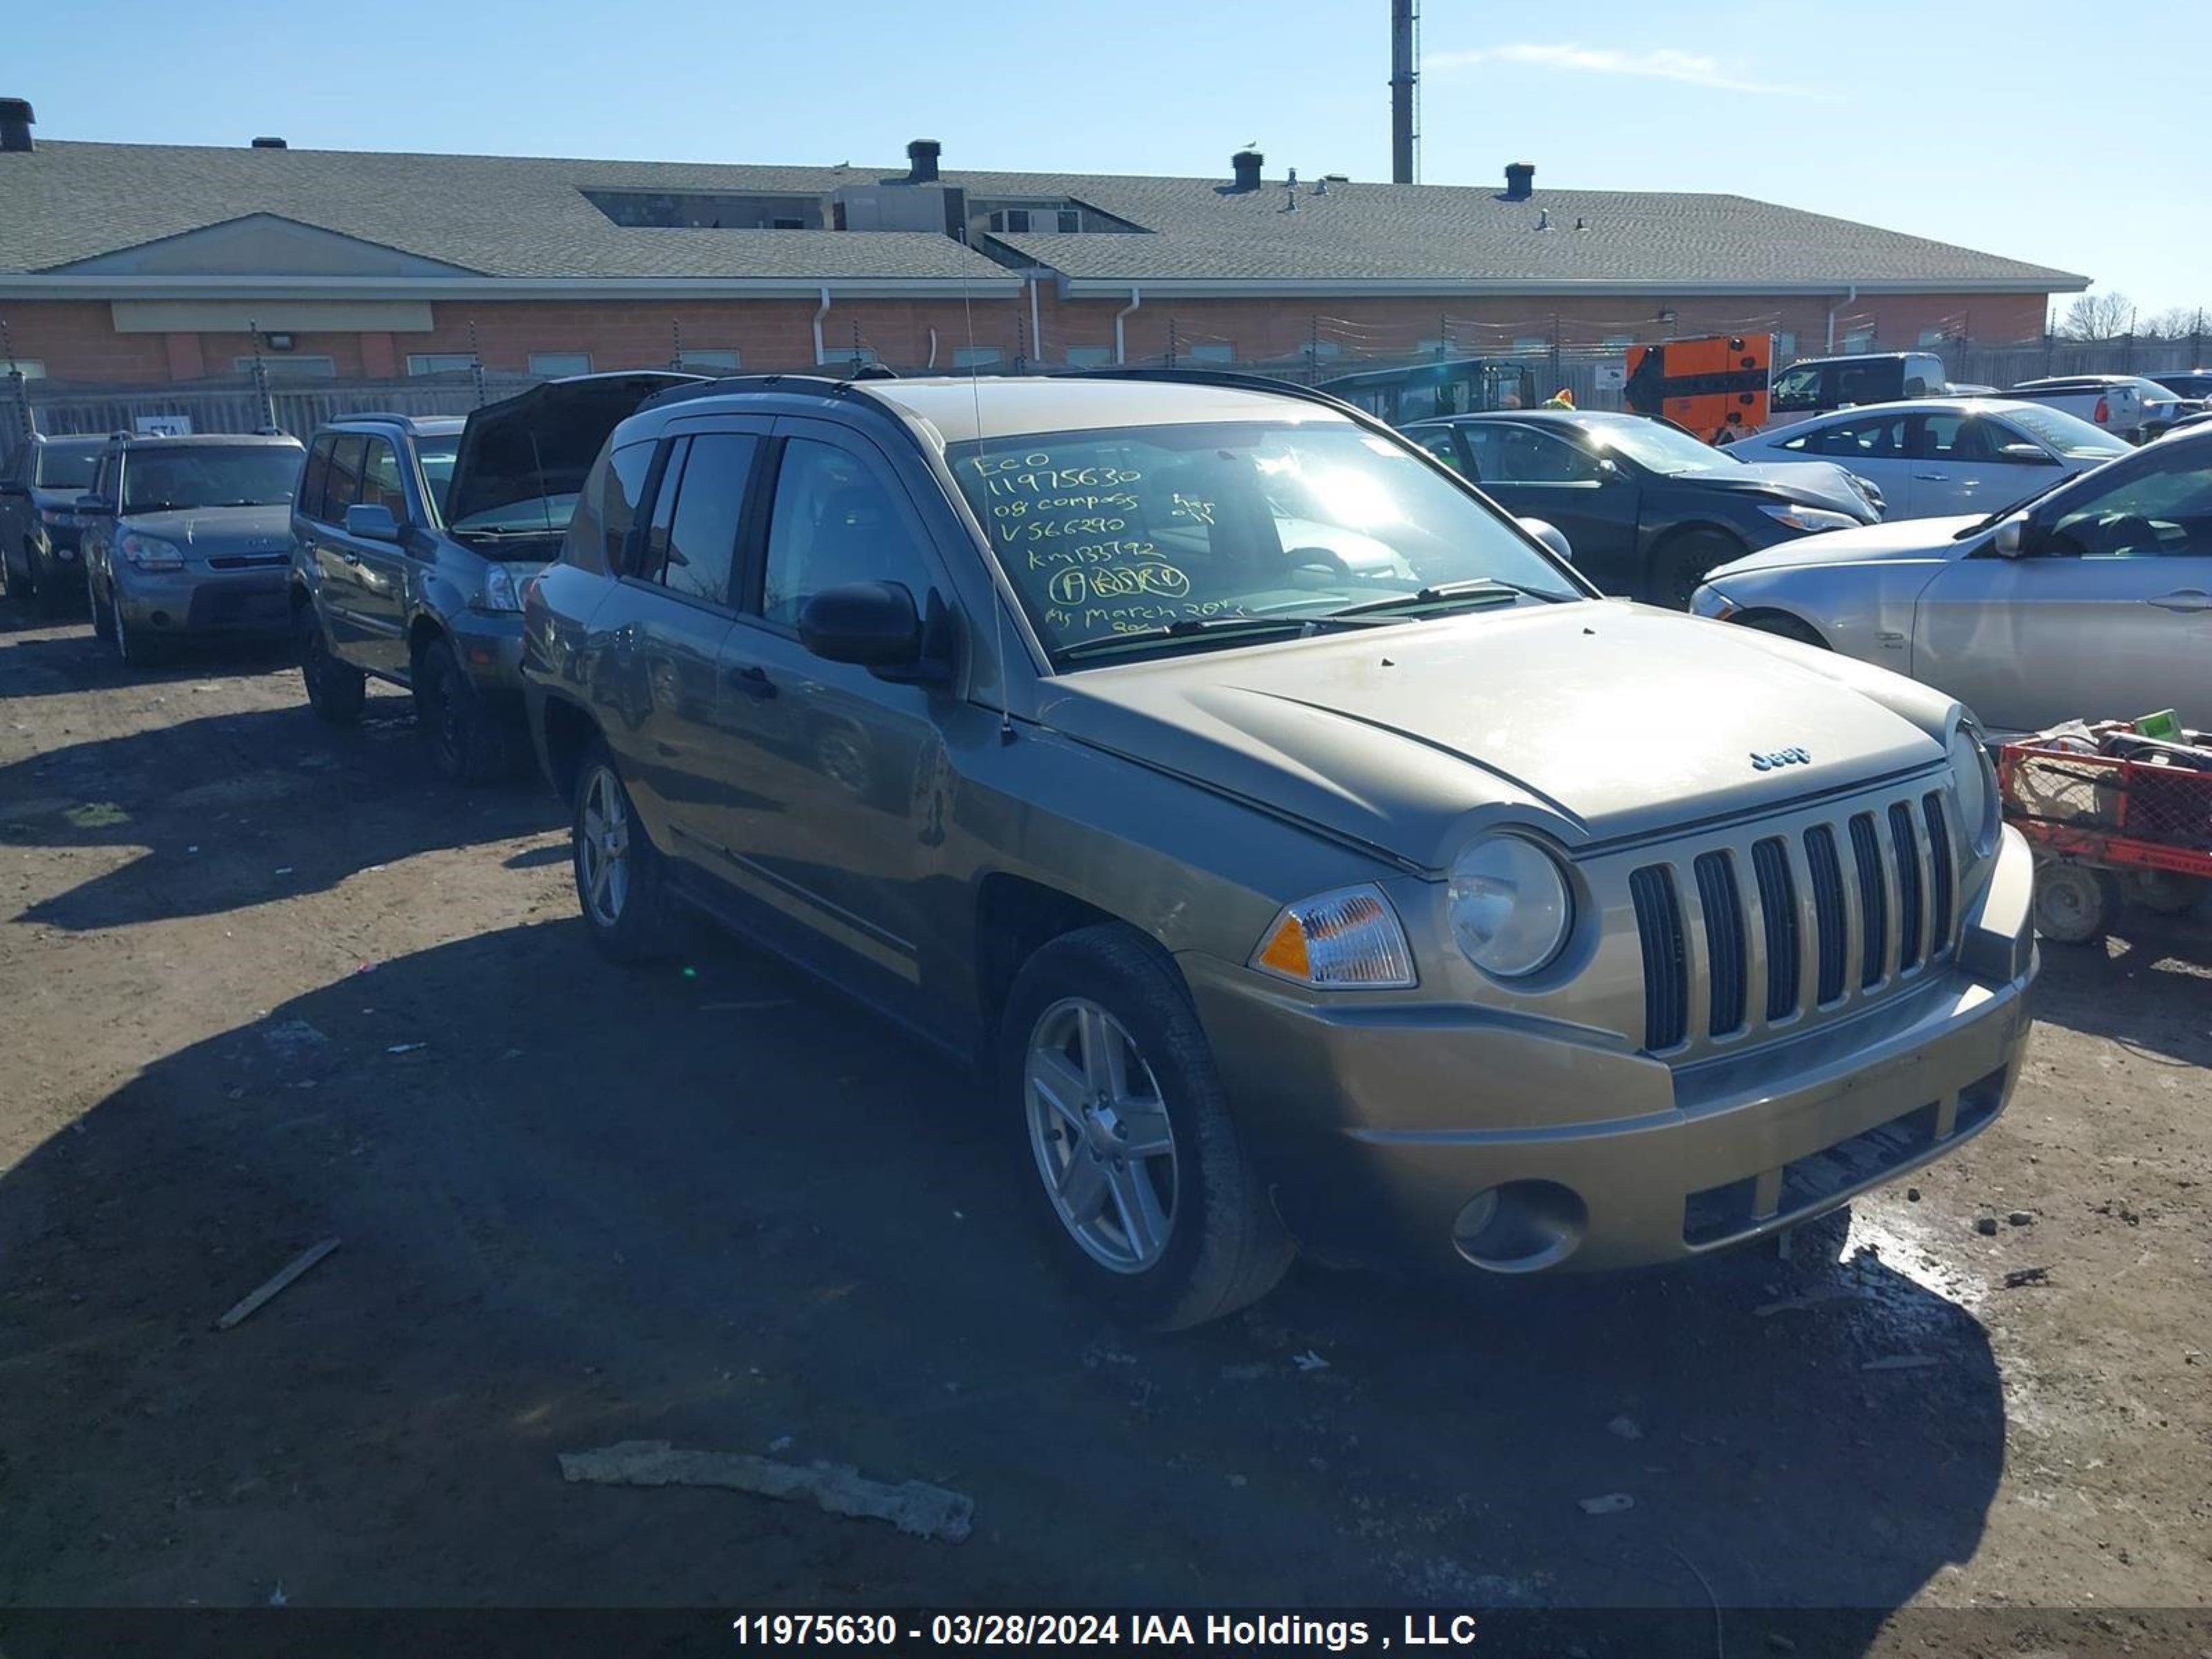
(38, 521)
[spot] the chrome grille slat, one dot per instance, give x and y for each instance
(1750, 932)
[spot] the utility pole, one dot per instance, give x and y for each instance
(1405, 95)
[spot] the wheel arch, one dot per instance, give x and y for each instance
(1757, 616)
(1017, 917)
(568, 730)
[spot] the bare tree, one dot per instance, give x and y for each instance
(2098, 316)
(2174, 322)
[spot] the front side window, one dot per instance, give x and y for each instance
(315, 478)
(833, 522)
(1134, 530)
(379, 480)
(344, 486)
(1437, 441)
(1795, 388)
(710, 501)
(1949, 438)
(1874, 437)
(2163, 509)
(159, 480)
(1507, 452)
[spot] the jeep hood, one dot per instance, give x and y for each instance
(1900, 539)
(541, 442)
(1595, 720)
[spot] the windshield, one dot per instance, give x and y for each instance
(1130, 530)
(2069, 434)
(535, 518)
(436, 455)
(1662, 449)
(258, 475)
(67, 466)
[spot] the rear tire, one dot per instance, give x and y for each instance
(1101, 1054)
(469, 742)
(334, 691)
(2074, 903)
(1681, 563)
(2166, 892)
(622, 879)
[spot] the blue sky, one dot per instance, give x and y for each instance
(2017, 126)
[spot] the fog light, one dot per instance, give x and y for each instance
(1521, 1227)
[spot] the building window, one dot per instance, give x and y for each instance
(1089, 356)
(31, 368)
(551, 365)
(1071, 221)
(1321, 351)
(1932, 337)
(1618, 342)
(1436, 346)
(1014, 220)
(1530, 346)
(1218, 352)
(1858, 339)
(977, 357)
(1785, 347)
(440, 362)
(289, 366)
(722, 357)
(845, 356)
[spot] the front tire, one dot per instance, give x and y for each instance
(103, 620)
(1683, 561)
(622, 881)
(334, 691)
(1143, 1185)
(469, 742)
(133, 646)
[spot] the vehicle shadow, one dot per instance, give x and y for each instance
(235, 810)
(2163, 965)
(46, 657)
(707, 1204)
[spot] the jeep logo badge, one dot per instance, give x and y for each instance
(1767, 763)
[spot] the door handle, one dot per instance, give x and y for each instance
(1931, 477)
(753, 682)
(2186, 600)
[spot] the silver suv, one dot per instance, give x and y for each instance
(1302, 849)
(411, 540)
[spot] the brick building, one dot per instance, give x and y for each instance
(153, 265)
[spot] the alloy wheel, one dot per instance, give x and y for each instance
(1099, 1129)
(603, 849)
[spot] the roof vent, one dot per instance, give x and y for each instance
(922, 161)
(16, 120)
(1247, 163)
(1520, 182)
(270, 143)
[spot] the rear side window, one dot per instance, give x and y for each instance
(710, 501)
(344, 485)
(833, 523)
(314, 480)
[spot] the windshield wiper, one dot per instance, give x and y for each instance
(1192, 628)
(1485, 589)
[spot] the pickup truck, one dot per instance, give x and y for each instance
(2126, 405)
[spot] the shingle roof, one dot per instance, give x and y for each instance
(527, 217)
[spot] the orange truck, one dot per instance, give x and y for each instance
(1715, 385)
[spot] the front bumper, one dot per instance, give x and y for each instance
(490, 643)
(199, 600)
(1378, 1123)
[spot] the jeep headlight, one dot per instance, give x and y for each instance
(1509, 905)
(498, 593)
(150, 552)
(1347, 939)
(1974, 780)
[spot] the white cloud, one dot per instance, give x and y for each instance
(1659, 63)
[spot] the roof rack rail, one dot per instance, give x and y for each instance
(821, 384)
(1221, 377)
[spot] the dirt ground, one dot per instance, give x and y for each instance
(264, 983)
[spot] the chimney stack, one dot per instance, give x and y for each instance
(1520, 182)
(922, 161)
(1247, 164)
(270, 143)
(15, 120)
(1405, 91)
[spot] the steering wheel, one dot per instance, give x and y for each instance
(2129, 532)
(1317, 558)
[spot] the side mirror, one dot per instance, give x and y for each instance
(1609, 471)
(2026, 454)
(2011, 539)
(372, 521)
(93, 506)
(1551, 536)
(873, 624)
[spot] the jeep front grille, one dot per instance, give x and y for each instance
(1775, 914)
